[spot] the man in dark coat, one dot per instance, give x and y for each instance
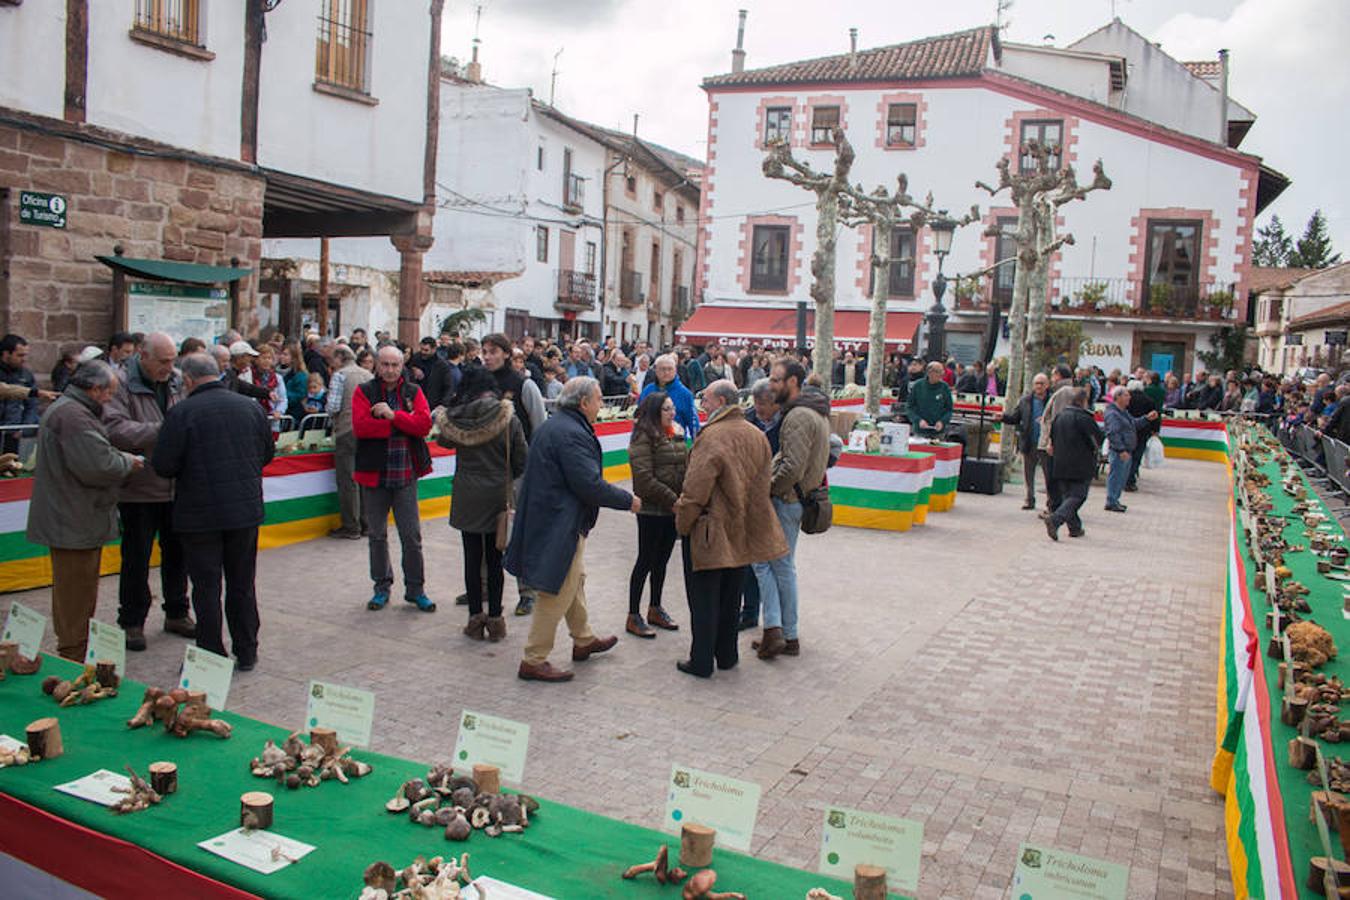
(560, 498)
(1140, 406)
(1075, 443)
(1026, 416)
(215, 444)
(431, 373)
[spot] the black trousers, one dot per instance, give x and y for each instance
(234, 555)
(141, 522)
(1073, 494)
(481, 557)
(714, 597)
(1052, 487)
(656, 541)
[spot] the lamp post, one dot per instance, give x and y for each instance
(942, 227)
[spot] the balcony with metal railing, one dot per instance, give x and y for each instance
(576, 291)
(630, 288)
(342, 49)
(679, 304)
(1124, 298)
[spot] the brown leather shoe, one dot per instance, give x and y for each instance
(183, 627)
(476, 627)
(661, 619)
(582, 652)
(496, 628)
(544, 671)
(792, 647)
(771, 644)
(635, 626)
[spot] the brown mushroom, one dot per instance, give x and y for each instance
(700, 884)
(658, 866)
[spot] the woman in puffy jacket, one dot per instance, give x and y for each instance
(658, 455)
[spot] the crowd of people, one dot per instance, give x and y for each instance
(167, 443)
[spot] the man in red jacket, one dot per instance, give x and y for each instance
(391, 421)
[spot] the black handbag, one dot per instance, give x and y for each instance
(817, 509)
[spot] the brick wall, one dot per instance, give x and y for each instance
(58, 295)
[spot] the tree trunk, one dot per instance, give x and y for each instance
(1017, 335)
(1037, 290)
(876, 326)
(822, 284)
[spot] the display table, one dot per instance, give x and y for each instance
(946, 471)
(1269, 832)
(565, 853)
(890, 493)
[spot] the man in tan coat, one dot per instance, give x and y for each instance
(341, 387)
(728, 522)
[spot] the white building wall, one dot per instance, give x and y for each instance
(32, 58)
(1088, 78)
(302, 131)
(150, 92)
(964, 133)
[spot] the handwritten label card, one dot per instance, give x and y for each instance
(207, 671)
(348, 711)
(25, 628)
(1045, 874)
(493, 741)
(727, 804)
(107, 642)
(261, 851)
(850, 837)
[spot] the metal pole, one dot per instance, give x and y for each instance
(801, 325)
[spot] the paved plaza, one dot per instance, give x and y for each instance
(968, 674)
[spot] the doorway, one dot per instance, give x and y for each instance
(1163, 356)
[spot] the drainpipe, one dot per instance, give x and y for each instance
(1223, 97)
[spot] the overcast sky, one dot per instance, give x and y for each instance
(620, 57)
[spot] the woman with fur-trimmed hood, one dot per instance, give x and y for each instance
(489, 445)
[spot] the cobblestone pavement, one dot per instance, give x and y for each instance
(968, 674)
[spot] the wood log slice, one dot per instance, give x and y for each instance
(1318, 867)
(326, 738)
(1292, 710)
(255, 810)
(164, 778)
(488, 778)
(696, 845)
(105, 673)
(44, 738)
(1302, 753)
(9, 651)
(869, 882)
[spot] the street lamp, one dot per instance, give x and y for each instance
(942, 227)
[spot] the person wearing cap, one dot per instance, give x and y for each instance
(239, 376)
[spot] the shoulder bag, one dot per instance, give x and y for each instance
(817, 509)
(505, 517)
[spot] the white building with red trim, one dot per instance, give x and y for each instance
(1160, 261)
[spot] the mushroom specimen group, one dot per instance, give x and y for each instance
(698, 887)
(455, 803)
(84, 689)
(180, 711)
(297, 764)
(138, 797)
(11, 660)
(424, 879)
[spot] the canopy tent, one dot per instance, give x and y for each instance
(168, 270)
(778, 327)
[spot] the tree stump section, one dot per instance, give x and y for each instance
(696, 845)
(255, 810)
(105, 673)
(869, 882)
(1303, 753)
(326, 738)
(1292, 710)
(164, 778)
(488, 778)
(1318, 867)
(44, 738)
(9, 651)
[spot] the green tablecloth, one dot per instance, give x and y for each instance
(565, 853)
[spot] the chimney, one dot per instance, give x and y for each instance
(738, 55)
(853, 48)
(1223, 97)
(474, 71)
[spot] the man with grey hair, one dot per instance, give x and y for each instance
(767, 416)
(133, 417)
(215, 444)
(560, 496)
(343, 385)
(1122, 435)
(73, 510)
(667, 379)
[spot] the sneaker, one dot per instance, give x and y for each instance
(378, 601)
(183, 627)
(135, 639)
(525, 606)
(661, 619)
(422, 602)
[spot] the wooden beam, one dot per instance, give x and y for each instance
(433, 109)
(77, 59)
(323, 287)
(279, 224)
(248, 104)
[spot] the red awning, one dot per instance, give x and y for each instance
(778, 327)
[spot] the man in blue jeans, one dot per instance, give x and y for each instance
(798, 468)
(1122, 435)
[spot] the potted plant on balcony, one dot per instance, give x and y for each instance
(1160, 298)
(964, 289)
(1092, 295)
(1220, 303)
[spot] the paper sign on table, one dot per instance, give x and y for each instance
(1045, 873)
(102, 787)
(107, 642)
(348, 711)
(850, 837)
(496, 742)
(9, 744)
(25, 628)
(261, 851)
(727, 804)
(498, 890)
(207, 671)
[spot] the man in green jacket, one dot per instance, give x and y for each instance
(929, 407)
